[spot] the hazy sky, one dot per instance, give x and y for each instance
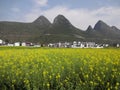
(81, 13)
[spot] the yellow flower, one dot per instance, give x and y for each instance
(86, 76)
(117, 84)
(48, 85)
(58, 76)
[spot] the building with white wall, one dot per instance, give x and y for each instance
(1, 41)
(17, 44)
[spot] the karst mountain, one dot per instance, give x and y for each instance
(43, 31)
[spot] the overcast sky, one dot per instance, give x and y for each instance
(81, 13)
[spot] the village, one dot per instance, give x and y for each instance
(74, 44)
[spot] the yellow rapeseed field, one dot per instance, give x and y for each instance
(59, 69)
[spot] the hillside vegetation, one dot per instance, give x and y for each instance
(61, 30)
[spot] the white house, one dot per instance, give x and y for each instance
(83, 44)
(37, 45)
(50, 45)
(118, 45)
(23, 44)
(9, 44)
(17, 44)
(1, 41)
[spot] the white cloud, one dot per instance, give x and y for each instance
(35, 11)
(41, 3)
(80, 18)
(15, 9)
(31, 16)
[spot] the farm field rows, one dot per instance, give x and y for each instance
(59, 69)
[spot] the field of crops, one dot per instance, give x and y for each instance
(59, 69)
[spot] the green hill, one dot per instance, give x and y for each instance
(41, 30)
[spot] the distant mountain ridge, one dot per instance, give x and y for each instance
(43, 31)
